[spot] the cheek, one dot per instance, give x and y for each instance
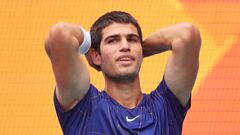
(140, 52)
(140, 56)
(107, 59)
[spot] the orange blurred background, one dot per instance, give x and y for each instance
(27, 81)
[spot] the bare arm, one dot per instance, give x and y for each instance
(184, 41)
(71, 74)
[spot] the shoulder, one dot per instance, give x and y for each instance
(163, 96)
(87, 101)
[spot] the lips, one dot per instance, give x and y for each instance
(125, 58)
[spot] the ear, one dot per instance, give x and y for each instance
(95, 56)
(93, 59)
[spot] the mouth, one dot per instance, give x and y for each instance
(125, 59)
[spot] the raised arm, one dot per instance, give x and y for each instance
(184, 41)
(71, 74)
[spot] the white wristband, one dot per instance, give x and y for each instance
(86, 44)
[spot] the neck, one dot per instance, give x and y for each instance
(127, 92)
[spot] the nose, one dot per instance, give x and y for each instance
(125, 46)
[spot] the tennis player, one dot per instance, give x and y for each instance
(115, 47)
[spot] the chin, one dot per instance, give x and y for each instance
(123, 75)
(127, 74)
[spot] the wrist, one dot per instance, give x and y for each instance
(86, 43)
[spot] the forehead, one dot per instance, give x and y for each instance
(119, 29)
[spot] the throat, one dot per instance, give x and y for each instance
(131, 103)
(126, 92)
(126, 97)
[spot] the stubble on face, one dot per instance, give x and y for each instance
(110, 52)
(127, 76)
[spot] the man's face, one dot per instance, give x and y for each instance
(121, 51)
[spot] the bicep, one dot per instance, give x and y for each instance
(69, 69)
(181, 69)
(72, 81)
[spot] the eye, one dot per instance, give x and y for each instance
(112, 41)
(134, 39)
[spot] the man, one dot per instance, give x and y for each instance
(118, 50)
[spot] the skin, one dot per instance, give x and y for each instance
(121, 77)
(71, 74)
(184, 41)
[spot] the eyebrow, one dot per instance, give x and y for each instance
(118, 35)
(133, 35)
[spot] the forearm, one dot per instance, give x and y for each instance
(184, 41)
(71, 74)
(170, 38)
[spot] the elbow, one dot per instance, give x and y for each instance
(57, 36)
(190, 36)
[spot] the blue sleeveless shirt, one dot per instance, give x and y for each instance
(159, 113)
